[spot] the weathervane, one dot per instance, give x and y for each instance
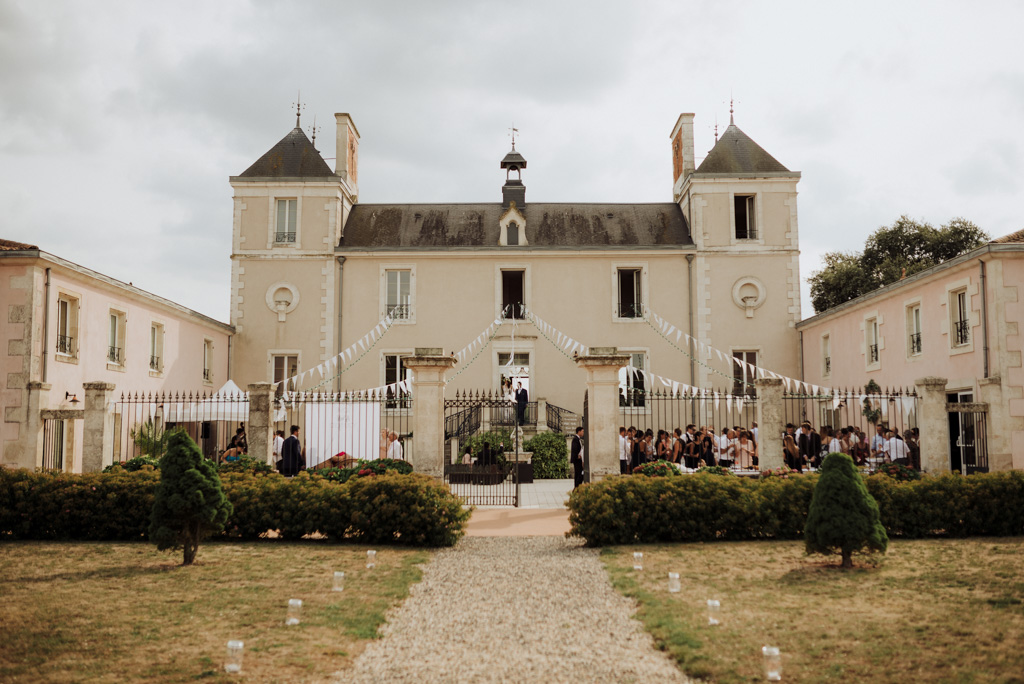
(298, 108)
(512, 132)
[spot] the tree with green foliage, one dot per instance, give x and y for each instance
(150, 438)
(905, 248)
(189, 502)
(843, 516)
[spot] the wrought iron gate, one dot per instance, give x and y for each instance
(968, 438)
(482, 449)
(586, 436)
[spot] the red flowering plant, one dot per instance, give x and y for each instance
(656, 469)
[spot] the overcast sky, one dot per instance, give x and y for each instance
(121, 122)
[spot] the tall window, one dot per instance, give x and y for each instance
(630, 293)
(961, 319)
(285, 366)
(744, 372)
(67, 326)
(287, 215)
(512, 234)
(398, 298)
(513, 293)
(115, 338)
(914, 330)
(872, 341)
(207, 360)
(743, 206)
(826, 355)
(632, 389)
(156, 347)
(394, 372)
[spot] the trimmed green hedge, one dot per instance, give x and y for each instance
(550, 456)
(641, 510)
(392, 508)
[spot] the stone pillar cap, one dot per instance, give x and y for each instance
(108, 386)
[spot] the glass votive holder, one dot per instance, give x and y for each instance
(714, 611)
(371, 560)
(339, 581)
(294, 611)
(673, 583)
(638, 560)
(772, 663)
(233, 663)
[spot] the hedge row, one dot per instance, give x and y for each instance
(638, 509)
(411, 510)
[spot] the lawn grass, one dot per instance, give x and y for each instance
(113, 612)
(927, 611)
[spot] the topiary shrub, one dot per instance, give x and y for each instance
(550, 456)
(404, 509)
(843, 517)
(189, 502)
(657, 469)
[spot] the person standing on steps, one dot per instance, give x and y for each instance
(522, 397)
(576, 457)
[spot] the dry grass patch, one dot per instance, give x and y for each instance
(927, 611)
(108, 612)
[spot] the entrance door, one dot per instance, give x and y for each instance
(962, 450)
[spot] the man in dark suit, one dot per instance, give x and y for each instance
(292, 460)
(522, 397)
(576, 457)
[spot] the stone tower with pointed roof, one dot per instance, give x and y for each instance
(289, 210)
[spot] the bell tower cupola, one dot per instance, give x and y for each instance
(513, 190)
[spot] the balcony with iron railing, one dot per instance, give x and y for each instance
(915, 343)
(207, 373)
(828, 365)
(631, 310)
(284, 238)
(66, 345)
(400, 312)
(872, 353)
(114, 355)
(963, 332)
(154, 363)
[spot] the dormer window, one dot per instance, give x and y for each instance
(512, 234)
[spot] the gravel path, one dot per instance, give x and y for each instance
(513, 609)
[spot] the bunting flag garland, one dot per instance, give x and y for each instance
(747, 370)
(395, 389)
(365, 343)
(559, 340)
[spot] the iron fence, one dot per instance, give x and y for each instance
(211, 420)
(704, 409)
(858, 421)
(482, 468)
(337, 428)
(968, 437)
(561, 420)
(54, 443)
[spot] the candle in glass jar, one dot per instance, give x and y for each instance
(233, 663)
(294, 611)
(638, 560)
(673, 582)
(772, 663)
(714, 611)
(371, 560)
(339, 581)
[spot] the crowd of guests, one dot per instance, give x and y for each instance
(803, 446)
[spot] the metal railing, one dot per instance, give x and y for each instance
(915, 343)
(114, 354)
(859, 414)
(284, 237)
(483, 471)
(872, 353)
(968, 426)
(828, 365)
(561, 420)
(65, 344)
(53, 444)
(631, 310)
(963, 332)
(154, 363)
(206, 374)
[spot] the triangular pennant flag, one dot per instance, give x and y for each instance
(679, 334)
(362, 345)
(814, 390)
(728, 402)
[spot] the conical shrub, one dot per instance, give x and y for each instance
(843, 517)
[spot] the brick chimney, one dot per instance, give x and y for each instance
(347, 156)
(683, 162)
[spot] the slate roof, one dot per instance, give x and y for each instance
(1012, 237)
(12, 246)
(293, 157)
(548, 226)
(735, 152)
(513, 158)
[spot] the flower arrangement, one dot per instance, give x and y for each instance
(899, 472)
(656, 469)
(714, 470)
(783, 473)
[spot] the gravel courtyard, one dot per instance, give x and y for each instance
(513, 609)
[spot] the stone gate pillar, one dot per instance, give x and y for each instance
(429, 367)
(602, 449)
(260, 430)
(770, 423)
(98, 436)
(32, 439)
(933, 422)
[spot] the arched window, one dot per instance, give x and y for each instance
(512, 234)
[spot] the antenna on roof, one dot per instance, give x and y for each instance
(314, 131)
(512, 132)
(298, 108)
